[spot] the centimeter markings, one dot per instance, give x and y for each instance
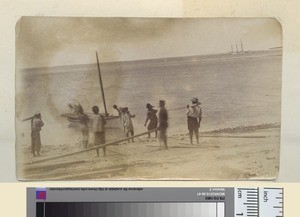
(258, 202)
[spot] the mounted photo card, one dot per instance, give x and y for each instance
(148, 98)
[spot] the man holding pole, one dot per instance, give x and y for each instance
(36, 126)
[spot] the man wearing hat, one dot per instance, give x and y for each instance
(36, 126)
(194, 116)
(163, 123)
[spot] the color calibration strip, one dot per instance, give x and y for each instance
(155, 202)
(136, 209)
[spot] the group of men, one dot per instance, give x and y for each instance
(160, 123)
(194, 117)
(97, 121)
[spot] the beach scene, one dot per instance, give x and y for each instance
(239, 88)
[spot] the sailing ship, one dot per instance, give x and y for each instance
(237, 51)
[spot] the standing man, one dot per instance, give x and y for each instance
(36, 127)
(163, 123)
(128, 125)
(97, 125)
(84, 125)
(151, 115)
(121, 114)
(194, 117)
(81, 118)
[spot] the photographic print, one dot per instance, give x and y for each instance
(148, 98)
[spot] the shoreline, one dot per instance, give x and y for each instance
(225, 158)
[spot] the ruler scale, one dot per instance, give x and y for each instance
(258, 202)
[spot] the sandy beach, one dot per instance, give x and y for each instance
(240, 153)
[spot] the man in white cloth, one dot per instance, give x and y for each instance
(97, 124)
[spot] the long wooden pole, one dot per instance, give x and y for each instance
(92, 148)
(125, 139)
(27, 119)
(101, 85)
(237, 137)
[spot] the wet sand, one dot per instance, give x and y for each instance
(242, 154)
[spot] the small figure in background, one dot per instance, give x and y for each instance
(194, 117)
(97, 125)
(163, 124)
(36, 127)
(127, 123)
(151, 115)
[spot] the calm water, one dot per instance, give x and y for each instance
(234, 90)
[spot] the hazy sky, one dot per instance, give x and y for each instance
(43, 42)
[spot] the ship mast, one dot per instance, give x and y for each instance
(237, 49)
(101, 85)
(242, 47)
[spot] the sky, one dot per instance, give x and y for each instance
(57, 41)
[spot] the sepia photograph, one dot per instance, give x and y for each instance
(148, 98)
